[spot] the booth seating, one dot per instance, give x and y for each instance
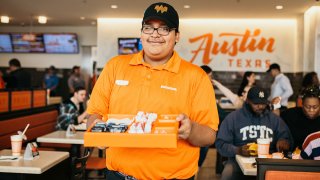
(282, 169)
(40, 124)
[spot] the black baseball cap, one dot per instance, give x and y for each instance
(164, 12)
(274, 66)
(257, 96)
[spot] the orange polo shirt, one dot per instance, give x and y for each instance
(127, 85)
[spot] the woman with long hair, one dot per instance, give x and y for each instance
(248, 80)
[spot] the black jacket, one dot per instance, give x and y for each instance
(299, 125)
(18, 79)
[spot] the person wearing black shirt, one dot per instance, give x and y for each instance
(17, 78)
(304, 120)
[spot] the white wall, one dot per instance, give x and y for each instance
(283, 31)
(312, 40)
(87, 37)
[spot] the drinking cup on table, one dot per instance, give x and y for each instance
(263, 148)
(16, 144)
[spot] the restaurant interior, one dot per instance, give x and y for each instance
(230, 36)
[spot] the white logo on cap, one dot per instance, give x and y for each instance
(261, 94)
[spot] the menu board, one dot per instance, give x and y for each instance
(27, 42)
(5, 43)
(61, 43)
(129, 45)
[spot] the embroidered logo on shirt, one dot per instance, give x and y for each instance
(169, 88)
(122, 82)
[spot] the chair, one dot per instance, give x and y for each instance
(78, 166)
(95, 164)
(282, 169)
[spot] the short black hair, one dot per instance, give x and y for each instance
(308, 78)
(52, 68)
(74, 68)
(79, 88)
(274, 66)
(206, 68)
(14, 62)
(310, 92)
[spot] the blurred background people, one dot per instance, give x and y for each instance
(248, 80)
(51, 81)
(72, 110)
(281, 86)
(237, 101)
(304, 120)
(17, 77)
(75, 79)
(310, 79)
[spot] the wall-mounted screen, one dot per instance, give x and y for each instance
(27, 43)
(5, 43)
(129, 45)
(61, 43)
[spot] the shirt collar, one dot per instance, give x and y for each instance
(172, 65)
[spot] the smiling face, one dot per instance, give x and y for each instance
(158, 48)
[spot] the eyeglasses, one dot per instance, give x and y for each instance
(163, 31)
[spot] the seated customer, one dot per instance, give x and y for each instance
(72, 110)
(247, 124)
(304, 120)
(311, 147)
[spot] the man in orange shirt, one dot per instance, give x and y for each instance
(157, 80)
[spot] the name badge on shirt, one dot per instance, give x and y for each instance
(169, 88)
(122, 82)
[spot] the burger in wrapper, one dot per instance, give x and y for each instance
(253, 147)
(296, 153)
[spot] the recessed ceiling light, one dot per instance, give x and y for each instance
(42, 19)
(93, 23)
(186, 6)
(4, 19)
(279, 7)
(114, 6)
(82, 18)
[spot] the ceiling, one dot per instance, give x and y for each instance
(68, 12)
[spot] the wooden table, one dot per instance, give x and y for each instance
(227, 106)
(245, 164)
(60, 137)
(50, 165)
(54, 100)
(47, 160)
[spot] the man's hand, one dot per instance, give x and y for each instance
(244, 150)
(282, 145)
(185, 126)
